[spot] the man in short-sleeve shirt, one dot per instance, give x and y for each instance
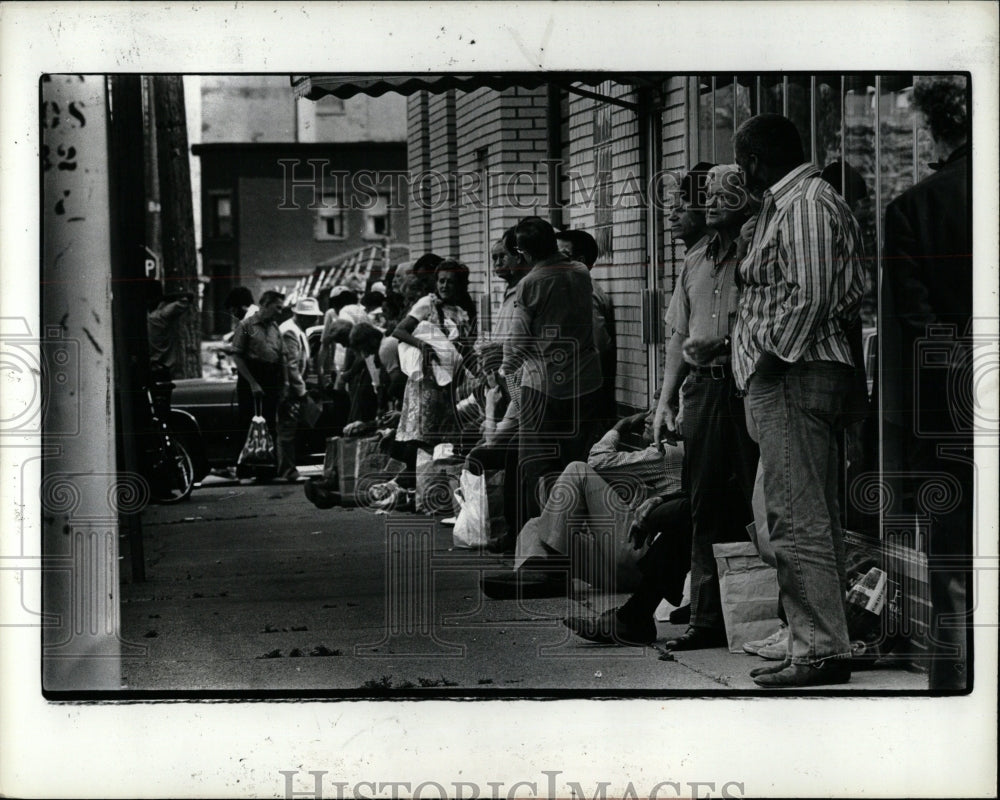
(258, 354)
(553, 343)
(721, 459)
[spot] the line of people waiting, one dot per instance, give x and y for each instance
(762, 373)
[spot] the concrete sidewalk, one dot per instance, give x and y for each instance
(253, 588)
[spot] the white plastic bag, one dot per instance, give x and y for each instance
(411, 358)
(472, 528)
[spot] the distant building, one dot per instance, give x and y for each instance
(288, 184)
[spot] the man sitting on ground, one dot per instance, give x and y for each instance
(663, 567)
(591, 493)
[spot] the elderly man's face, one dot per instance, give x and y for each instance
(726, 205)
(685, 222)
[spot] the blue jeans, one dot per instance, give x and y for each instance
(796, 419)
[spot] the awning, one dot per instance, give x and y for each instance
(313, 87)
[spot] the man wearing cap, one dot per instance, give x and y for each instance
(719, 452)
(295, 350)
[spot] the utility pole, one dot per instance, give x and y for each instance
(176, 215)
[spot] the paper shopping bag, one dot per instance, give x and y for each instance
(749, 590)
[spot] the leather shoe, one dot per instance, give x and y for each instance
(698, 639)
(770, 668)
(527, 585)
(681, 616)
(609, 628)
(824, 673)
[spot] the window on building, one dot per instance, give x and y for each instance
(330, 219)
(221, 215)
(376, 219)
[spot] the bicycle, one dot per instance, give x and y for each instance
(166, 461)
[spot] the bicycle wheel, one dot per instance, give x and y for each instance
(175, 475)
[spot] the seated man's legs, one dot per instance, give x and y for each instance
(663, 569)
(579, 492)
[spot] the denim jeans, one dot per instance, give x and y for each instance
(796, 418)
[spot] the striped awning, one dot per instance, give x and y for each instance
(313, 87)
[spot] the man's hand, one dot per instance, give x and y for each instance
(664, 425)
(639, 531)
(257, 389)
(699, 351)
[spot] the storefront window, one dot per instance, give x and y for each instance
(829, 113)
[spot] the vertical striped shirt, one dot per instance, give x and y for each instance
(802, 276)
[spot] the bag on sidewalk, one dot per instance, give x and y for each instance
(749, 590)
(349, 460)
(258, 458)
(472, 526)
(495, 500)
(436, 480)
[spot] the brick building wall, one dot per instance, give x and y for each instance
(418, 162)
(443, 162)
(622, 272)
(506, 132)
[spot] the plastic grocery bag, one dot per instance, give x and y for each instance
(411, 358)
(436, 479)
(258, 456)
(472, 528)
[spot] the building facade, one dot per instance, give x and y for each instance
(287, 184)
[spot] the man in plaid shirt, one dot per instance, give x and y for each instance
(802, 282)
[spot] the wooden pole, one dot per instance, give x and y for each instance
(180, 266)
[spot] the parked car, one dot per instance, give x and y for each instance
(207, 419)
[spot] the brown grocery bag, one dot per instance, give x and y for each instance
(339, 463)
(749, 590)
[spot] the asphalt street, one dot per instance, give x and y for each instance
(252, 588)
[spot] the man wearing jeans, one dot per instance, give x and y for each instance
(802, 284)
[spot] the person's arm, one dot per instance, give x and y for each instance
(674, 366)
(518, 339)
(291, 347)
(326, 347)
(238, 354)
(674, 370)
(605, 455)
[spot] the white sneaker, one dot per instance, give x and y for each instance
(776, 639)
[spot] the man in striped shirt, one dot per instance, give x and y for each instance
(802, 282)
